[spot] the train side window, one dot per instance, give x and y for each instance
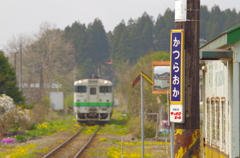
(105, 89)
(92, 91)
(81, 89)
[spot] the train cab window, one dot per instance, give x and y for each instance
(92, 91)
(105, 89)
(81, 89)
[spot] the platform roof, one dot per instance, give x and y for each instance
(224, 40)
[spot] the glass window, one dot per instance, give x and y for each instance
(105, 89)
(81, 89)
(92, 91)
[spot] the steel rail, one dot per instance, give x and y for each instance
(62, 145)
(89, 141)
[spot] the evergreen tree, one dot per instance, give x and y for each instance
(162, 29)
(204, 17)
(145, 35)
(121, 45)
(229, 19)
(130, 42)
(8, 81)
(215, 23)
(77, 34)
(237, 20)
(79, 37)
(125, 48)
(114, 45)
(97, 43)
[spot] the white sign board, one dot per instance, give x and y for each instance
(177, 113)
(56, 99)
(180, 10)
(116, 102)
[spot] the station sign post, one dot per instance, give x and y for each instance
(177, 108)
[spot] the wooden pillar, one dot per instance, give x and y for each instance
(187, 135)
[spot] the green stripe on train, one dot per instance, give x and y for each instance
(93, 104)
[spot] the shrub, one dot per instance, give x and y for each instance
(11, 116)
(134, 126)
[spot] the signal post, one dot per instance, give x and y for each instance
(184, 101)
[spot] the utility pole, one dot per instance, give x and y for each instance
(20, 77)
(15, 62)
(74, 78)
(142, 115)
(41, 86)
(187, 134)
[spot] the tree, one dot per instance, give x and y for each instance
(77, 34)
(144, 36)
(215, 23)
(131, 96)
(204, 16)
(47, 59)
(98, 46)
(11, 116)
(114, 45)
(230, 17)
(50, 58)
(121, 47)
(162, 29)
(8, 84)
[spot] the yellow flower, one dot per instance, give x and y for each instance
(102, 139)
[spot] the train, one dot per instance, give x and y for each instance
(93, 100)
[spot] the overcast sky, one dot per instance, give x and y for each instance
(161, 69)
(25, 16)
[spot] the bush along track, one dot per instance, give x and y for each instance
(114, 140)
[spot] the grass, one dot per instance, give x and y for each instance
(52, 127)
(89, 130)
(117, 126)
(114, 152)
(28, 151)
(164, 135)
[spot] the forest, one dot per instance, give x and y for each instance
(137, 37)
(60, 56)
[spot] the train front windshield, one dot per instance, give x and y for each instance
(80, 89)
(105, 89)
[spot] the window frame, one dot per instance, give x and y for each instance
(76, 89)
(93, 92)
(109, 89)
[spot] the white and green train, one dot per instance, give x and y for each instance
(93, 100)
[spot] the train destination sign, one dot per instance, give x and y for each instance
(177, 75)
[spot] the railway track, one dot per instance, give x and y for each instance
(74, 146)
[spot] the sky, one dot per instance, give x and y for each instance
(161, 69)
(24, 17)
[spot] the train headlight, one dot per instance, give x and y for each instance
(80, 81)
(105, 82)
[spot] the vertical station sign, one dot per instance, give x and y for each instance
(177, 110)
